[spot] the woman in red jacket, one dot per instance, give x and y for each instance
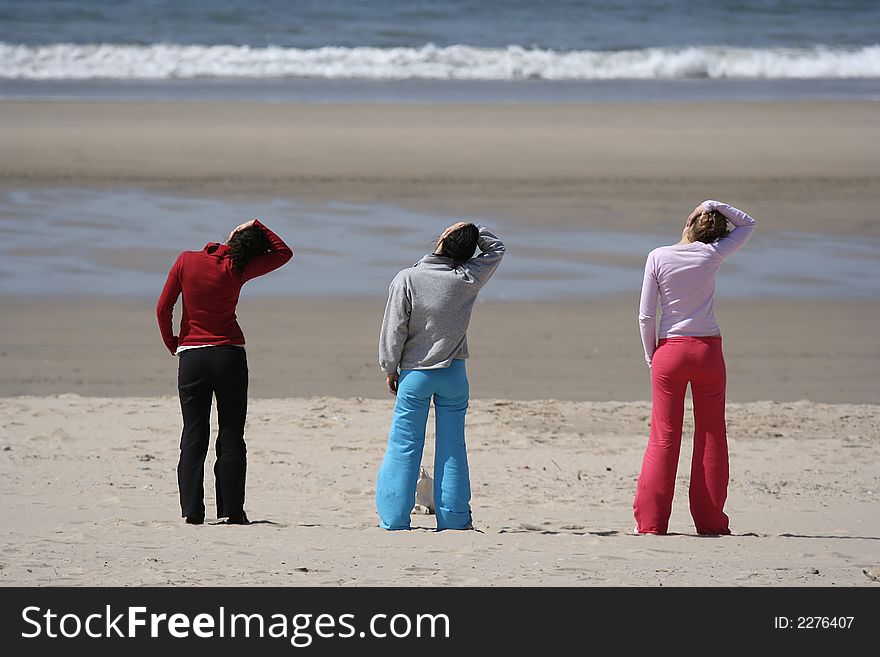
(213, 361)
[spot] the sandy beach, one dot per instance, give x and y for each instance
(89, 487)
(89, 422)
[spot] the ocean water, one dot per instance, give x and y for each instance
(561, 25)
(74, 241)
(452, 41)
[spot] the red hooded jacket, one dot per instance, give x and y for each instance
(210, 287)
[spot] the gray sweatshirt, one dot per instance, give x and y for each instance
(429, 308)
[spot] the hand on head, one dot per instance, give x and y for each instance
(691, 222)
(705, 225)
(694, 215)
(246, 224)
(451, 229)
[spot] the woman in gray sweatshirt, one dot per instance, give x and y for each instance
(422, 349)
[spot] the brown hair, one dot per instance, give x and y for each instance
(709, 227)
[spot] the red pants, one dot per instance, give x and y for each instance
(677, 362)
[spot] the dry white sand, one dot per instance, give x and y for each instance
(90, 498)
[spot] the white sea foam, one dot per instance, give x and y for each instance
(166, 61)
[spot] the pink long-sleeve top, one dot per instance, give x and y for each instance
(683, 277)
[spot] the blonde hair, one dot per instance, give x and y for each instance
(709, 227)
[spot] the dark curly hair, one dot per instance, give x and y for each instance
(710, 227)
(460, 244)
(245, 245)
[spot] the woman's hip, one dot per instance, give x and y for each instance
(213, 363)
(688, 355)
(449, 381)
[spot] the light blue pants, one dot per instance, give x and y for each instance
(396, 483)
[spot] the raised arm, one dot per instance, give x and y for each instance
(648, 310)
(744, 226)
(395, 325)
(484, 264)
(279, 253)
(165, 306)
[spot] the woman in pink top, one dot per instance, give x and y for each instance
(682, 277)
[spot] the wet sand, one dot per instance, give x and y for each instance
(797, 166)
(587, 350)
(802, 166)
(121, 242)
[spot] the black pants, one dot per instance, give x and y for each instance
(203, 373)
